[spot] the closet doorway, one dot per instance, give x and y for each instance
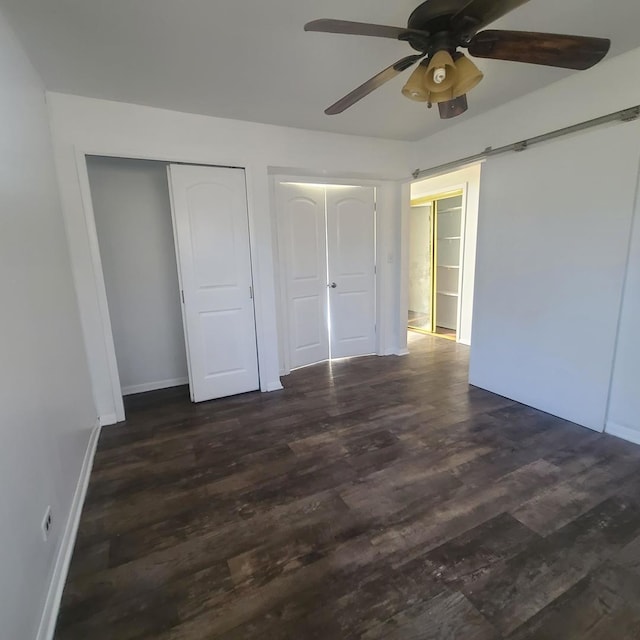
(174, 250)
(326, 245)
(435, 264)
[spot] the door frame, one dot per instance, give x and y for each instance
(97, 281)
(280, 261)
(433, 199)
(405, 224)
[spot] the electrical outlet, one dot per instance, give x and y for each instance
(46, 524)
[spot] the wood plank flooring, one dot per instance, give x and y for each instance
(372, 498)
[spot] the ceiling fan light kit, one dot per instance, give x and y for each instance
(461, 75)
(438, 28)
(453, 108)
(415, 88)
(467, 74)
(441, 72)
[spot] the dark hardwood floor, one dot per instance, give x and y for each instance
(372, 498)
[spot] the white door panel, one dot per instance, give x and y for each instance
(302, 236)
(351, 254)
(212, 239)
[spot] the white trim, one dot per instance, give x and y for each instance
(274, 386)
(617, 430)
(99, 281)
(463, 244)
(280, 271)
(154, 386)
(65, 551)
(108, 419)
(403, 263)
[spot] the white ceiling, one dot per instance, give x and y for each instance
(251, 59)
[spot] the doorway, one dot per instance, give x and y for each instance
(174, 250)
(435, 272)
(326, 245)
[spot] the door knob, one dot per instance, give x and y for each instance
(333, 285)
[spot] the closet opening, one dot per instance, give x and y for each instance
(132, 214)
(173, 243)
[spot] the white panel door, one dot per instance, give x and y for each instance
(302, 237)
(351, 251)
(209, 206)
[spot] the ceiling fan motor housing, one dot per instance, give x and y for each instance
(434, 17)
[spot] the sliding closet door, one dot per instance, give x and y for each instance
(351, 251)
(302, 238)
(209, 209)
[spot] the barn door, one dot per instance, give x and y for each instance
(209, 207)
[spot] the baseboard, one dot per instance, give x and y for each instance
(617, 430)
(108, 419)
(154, 386)
(401, 352)
(274, 386)
(63, 560)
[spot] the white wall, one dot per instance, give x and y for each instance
(554, 223)
(468, 179)
(133, 219)
(624, 405)
(82, 125)
(552, 238)
(45, 395)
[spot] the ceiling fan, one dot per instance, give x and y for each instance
(438, 28)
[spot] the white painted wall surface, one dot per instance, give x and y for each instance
(624, 405)
(133, 220)
(45, 394)
(468, 179)
(552, 238)
(82, 125)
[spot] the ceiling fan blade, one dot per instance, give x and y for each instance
(550, 49)
(453, 108)
(477, 14)
(358, 28)
(373, 83)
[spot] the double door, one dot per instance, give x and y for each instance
(327, 258)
